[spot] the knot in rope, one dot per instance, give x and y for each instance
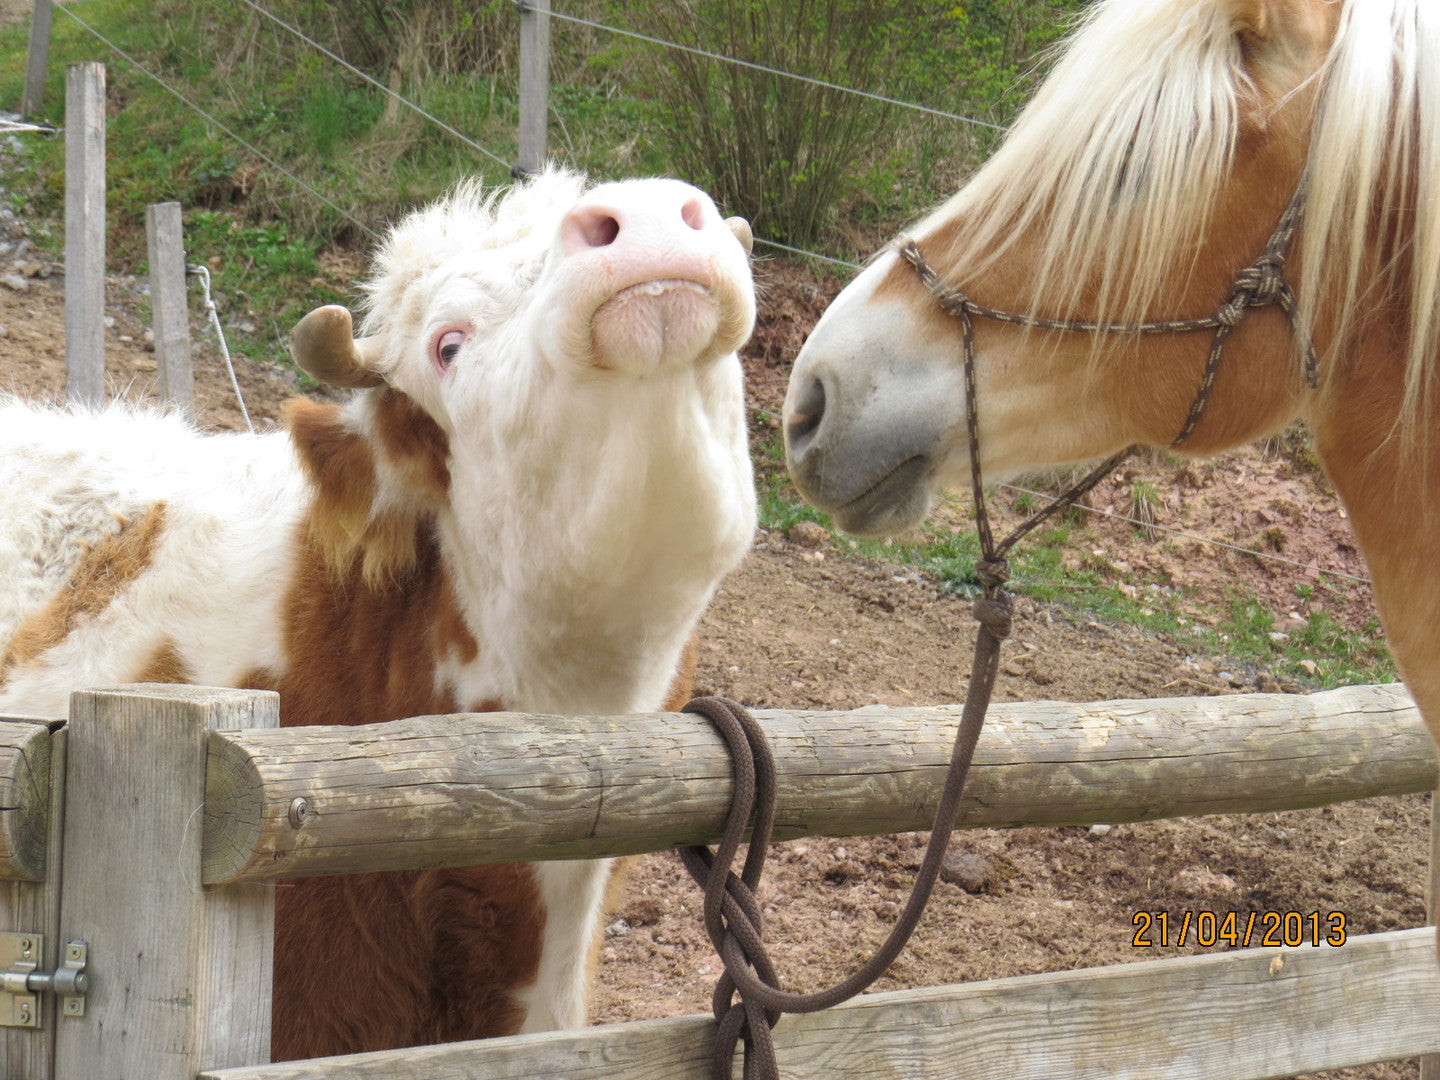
(1258, 285)
(994, 612)
(993, 573)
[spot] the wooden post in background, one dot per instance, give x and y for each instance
(181, 974)
(169, 310)
(37, 59)
(534, 83)
(85, 233)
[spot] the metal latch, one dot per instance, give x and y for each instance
(21, 1004)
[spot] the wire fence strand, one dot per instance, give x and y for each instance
(381, 86)
(722, 58)
(210, 118)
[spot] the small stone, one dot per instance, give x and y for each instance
(14, 282)
(971, 872)
(145, 365)
(618, 928)
(1308, 666)
(1100, 830)
(1197, 881)
(808, 534)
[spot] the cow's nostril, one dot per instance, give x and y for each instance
(694, 214)
(590, 227)
(804, 419)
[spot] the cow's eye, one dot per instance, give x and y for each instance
(447, 347)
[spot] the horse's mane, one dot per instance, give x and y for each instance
(1122, 151)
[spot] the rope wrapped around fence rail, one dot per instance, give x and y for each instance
(732, 912)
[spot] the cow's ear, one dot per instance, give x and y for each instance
(324, 345)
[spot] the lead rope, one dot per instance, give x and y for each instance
(748, 999)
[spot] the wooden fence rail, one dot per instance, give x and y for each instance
(180, 972)
(458, 790)
(1243, 1015)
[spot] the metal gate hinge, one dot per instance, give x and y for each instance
(23, 983)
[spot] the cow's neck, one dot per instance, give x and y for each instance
(583, 560)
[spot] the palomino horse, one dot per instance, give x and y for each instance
(1148, 172)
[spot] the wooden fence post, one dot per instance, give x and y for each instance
(85, 233)
(33, 905)
(180, 974)
(534, 83)
(37, 59)
(170, 313)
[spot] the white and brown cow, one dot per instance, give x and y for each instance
(527, 506)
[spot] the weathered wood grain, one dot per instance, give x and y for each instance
(169, 307)
(181, 975)
(37, 59)
(451, 790)
(534, 84)
(24, 797)
(34, 905)
(1242, 1015)
(85, 233)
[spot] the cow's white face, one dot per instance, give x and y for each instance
(564, 292)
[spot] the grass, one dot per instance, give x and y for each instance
(1313, 651)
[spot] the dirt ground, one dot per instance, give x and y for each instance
(802, 626)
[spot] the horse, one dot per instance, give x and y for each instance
(1265, 170)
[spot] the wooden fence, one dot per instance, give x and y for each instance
(150, 825)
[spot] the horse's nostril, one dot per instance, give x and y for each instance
(803, 420)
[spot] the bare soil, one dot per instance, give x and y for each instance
(802, 626)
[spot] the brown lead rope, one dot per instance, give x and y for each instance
(731, 910)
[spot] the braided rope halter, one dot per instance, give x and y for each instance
(731, 910)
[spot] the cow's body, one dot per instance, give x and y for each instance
(505, 527)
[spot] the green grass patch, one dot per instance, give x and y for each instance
(1317, 651)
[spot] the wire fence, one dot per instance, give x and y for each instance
(498, 159)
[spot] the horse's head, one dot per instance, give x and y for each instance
(1150, 167)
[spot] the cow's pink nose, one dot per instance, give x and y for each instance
(600, 224)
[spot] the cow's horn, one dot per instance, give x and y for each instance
(741, 228)
(323, 343)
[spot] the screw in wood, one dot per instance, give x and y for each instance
(300, 812)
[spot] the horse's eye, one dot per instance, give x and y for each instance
(447, 347)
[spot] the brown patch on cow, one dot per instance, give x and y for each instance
(362, 651)
(258, 679)
(341, 465)
(682, 684)
(104, 571)
(377, 961)
(164, 666)
(444, 951)
(413, 442)
(453, 636)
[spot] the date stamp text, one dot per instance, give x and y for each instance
(1164, 929)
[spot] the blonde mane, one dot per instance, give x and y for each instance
(1119, 157)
